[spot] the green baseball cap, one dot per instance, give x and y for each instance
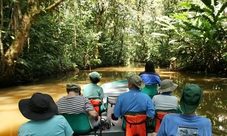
(191, 98)
(94, 75)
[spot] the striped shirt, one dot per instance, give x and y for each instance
(74, 105)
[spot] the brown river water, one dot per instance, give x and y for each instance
(213, 105)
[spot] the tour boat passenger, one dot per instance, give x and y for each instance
(151, 79)
(187, 123)
(41, 110)
(74, 103)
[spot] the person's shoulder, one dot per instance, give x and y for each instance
(172, 116)
(204, 119)
(99, 87)
(142, 73)
(24, 125)
(86, 85)
(155, 73)
(123, 94)
(62, 98)
(58, 117)
(157, 95)
(173, 97)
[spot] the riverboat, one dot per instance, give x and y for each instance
(113, 89)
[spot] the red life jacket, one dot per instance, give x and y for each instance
(96, 104)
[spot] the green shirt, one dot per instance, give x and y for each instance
(92, 91)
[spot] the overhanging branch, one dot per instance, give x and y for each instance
(54, 5)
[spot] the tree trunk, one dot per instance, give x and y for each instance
(9, 58)
(14, 50)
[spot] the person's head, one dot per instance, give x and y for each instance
(38, 107)
(135, 81)
(191, 97)
(149, 67)
(94, 77)
(73, 87)
(167, 85)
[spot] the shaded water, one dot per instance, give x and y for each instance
(213, 105)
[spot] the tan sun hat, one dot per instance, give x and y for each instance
(167, 85)
(136, 80)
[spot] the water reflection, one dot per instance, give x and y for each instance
(213, 105)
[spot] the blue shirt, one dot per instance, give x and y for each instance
(55, 126)
(179, 124)
(134, 101)
(150, 78)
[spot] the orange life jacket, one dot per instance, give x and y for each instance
(136, 125)
(96, 104)
(159, 116)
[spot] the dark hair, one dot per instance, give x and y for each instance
(149, 67)
(74, 90)
(94, 80)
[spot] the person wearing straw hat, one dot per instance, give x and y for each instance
(41, 110)
(134, 100)
(165, 100)
(187, 123)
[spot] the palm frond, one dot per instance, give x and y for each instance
(207, 2)
(223, 7)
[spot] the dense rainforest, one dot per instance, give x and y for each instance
(42, 38)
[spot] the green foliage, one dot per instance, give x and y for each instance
(90, 34)
(207, 2)
(48, 50)
(197, 31)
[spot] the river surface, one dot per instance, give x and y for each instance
(213, 105)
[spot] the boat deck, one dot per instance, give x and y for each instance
(113, 131)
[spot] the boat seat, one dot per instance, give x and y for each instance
(78, 122)
(110, 104)
(150, 90)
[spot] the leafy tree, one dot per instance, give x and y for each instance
(199, 34)
(16, 23)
